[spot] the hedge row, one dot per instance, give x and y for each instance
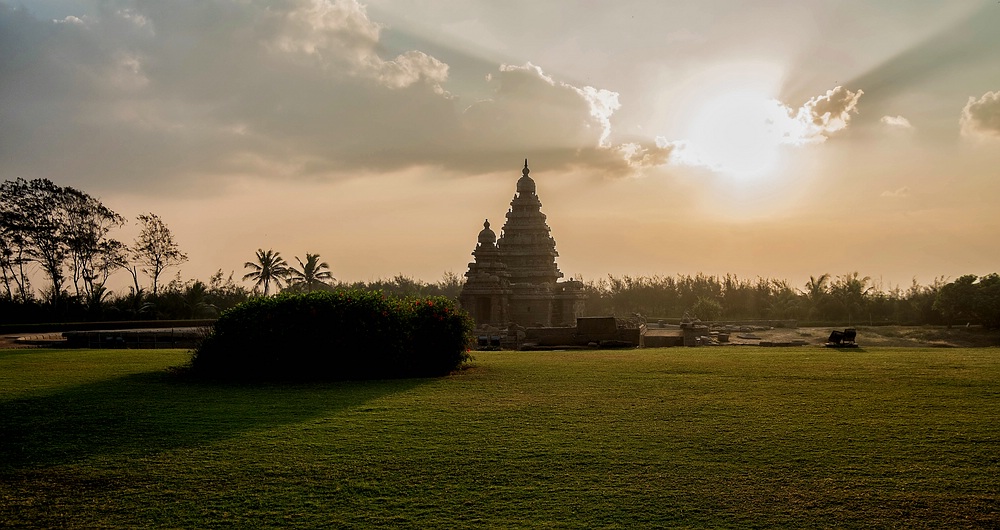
(335, 336)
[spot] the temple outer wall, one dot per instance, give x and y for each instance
(530, 310)
(602, 331)
(496, 314)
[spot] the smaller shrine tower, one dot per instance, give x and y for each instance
(487, 284)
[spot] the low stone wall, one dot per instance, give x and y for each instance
(553, 337)
(663, 341)
(136, 339)
(50, 327)
(574, 337)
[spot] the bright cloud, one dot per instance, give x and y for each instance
(642, 156)
(742, 132)
(820, 117)
(339, 34)
(328, 31)
(896, 122)
(981, 117)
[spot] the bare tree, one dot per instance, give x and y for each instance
(92, 255)
(38, 215)
(35, 212)
(53, 226)
(154, 250)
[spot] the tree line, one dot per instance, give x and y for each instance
(269, 270)
(848, 298)
(67, 236)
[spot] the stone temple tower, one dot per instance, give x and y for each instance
(527, 247)
(487, 283)
(517, 280)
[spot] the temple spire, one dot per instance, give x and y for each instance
(515, 278)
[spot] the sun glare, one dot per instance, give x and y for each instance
(729, 121)
(736, 133)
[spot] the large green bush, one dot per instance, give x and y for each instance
(334, 336)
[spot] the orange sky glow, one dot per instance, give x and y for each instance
(773, 139)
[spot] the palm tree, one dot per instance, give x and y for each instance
(313, 273)
(196, 302)
(269, 267)
(816, 291)
(853, 293)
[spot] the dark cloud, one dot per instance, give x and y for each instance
(154, 94)
(981, 117)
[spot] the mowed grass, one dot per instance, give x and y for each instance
(706, 437)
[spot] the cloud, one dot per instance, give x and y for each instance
(897, 193)
(641, 156)
(568, 126)
(743, 134)
(896, 122)
(820, 117)
(339, 35)
(981, 117)
(530, 109)
(149, 95)
(153, 95)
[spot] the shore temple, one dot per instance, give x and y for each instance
(515, 279)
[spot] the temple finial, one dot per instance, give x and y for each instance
(525, 171)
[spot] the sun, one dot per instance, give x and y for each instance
(736, 133)
(726, 118)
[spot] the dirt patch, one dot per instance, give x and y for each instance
(897, 336)
(7, 342)
(36, 340)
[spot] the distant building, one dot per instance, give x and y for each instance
(515, 280)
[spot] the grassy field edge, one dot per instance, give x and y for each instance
(709, 437)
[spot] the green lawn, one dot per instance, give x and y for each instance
(683, 437)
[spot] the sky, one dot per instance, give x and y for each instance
(758, 138)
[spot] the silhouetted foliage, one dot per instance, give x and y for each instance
(268, 268)
(177, 300)
(450, 286)
(848, 299)
(707, 297)
(335, 335)
(56, 228)
(154, 249)
(971, 300)
(311, 275)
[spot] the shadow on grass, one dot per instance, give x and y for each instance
(151, 412)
